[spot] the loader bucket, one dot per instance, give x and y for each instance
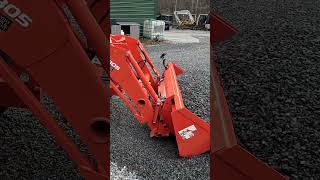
(222, 29)
(156, 100)
(191, 132)
(229, 160)
(229, 164)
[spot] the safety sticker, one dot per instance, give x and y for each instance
(4, 23)
(187, 132)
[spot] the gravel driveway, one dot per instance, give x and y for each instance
(29, 152)
(152, 158)
(270, 74)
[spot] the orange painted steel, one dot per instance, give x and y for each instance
(63, 69)
(181, 117)
(155, 99)
(49, 53)
(229, 161)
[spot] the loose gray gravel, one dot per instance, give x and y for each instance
(270, 75)
(121, 173)
(157, 158)
(28, 151)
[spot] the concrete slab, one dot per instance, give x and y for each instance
(184, 36)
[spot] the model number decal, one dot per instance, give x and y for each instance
(15, 13)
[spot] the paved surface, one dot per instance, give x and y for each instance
(270, 74)
(184, 36)
(152, 158)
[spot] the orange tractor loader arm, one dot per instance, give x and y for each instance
(41, 52)
(155, 99)
(38, 44)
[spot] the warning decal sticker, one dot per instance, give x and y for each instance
(187, 132)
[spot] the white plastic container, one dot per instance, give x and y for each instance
(153, 29)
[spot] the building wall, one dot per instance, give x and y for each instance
(133, 10)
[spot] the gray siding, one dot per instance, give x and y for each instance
(133, 10)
